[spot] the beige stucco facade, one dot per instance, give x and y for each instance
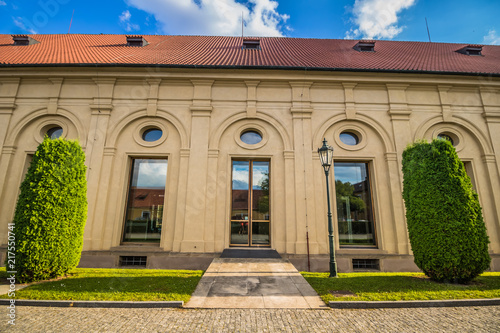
(202, 113)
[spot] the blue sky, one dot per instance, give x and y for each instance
(455, 21)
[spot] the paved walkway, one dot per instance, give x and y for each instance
(76, 320)
(254, 284)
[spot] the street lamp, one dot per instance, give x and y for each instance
(326, 156)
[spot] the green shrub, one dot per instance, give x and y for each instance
(51, 212)
(445, 224)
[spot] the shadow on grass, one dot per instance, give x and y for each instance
(159, 284)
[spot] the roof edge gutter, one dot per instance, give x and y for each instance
(292, 68)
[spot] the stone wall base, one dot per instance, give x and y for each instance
(386, 263)
(156, 258)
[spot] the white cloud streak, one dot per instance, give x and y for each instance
(125, 20)
(491, 38)
(377, 18)
(18, 21)
(3, 3)
(215, 17)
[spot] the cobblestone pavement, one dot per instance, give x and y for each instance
(42, 319)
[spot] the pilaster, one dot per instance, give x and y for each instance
(490, 98)
(180, 214)
(492, 221)
(400, 113)
(7, 200)
(99, 121)
(290, 218)
(304, 189)
(301, 97)
(8, 93)
(196, 215)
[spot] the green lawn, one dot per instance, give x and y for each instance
(115, 285)
(400, 286)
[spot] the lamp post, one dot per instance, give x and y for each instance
(326, 156)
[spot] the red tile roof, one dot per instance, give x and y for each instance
(276, 52)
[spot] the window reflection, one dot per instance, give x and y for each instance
(251, 137)
(260, 188)
(349, 138)
(241, 186)
(146, 199)
(55, 132)
(354, 204)
(152, 134)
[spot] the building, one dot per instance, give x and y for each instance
(196, 144)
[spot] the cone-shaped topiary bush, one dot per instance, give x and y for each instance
(446, 228)
(51, 212)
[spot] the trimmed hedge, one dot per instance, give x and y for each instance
(51, 212)
(445, 224)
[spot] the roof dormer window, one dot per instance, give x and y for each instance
(23, 40)
(471, 50)
(251, 44)
(136, 41)
(365, 46)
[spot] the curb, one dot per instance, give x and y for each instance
(94, 304)
(414, 304)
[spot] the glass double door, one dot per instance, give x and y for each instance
(250, 218)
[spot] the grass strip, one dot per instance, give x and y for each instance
(399, 286)
(99, 284)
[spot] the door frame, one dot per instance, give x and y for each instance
(250, 200)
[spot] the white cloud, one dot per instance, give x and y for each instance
(18, 21)
(125, 20)
(377, 18)
(491, 38)
(125, 16)
(3, 3)
(215, 17)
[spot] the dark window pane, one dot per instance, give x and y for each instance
(446, 137)
(251, 137)
(146, 200)
(354, 204)
(152, 134)
(55, 132)
(260, 233)
(349, 138)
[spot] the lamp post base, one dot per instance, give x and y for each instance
(333, 269)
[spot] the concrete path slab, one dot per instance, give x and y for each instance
(237, 283)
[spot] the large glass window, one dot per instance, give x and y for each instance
(354, 204)
(146, 198)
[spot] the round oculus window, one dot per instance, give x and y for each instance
(152, 134)
(349, 138)
(446, 137)
(55, 132)
(251, 137)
